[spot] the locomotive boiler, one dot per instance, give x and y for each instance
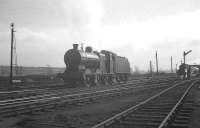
(91, 67)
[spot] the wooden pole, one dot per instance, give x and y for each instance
(171, 65)
(150, 67)
(184, 57)
(156, 62)
(11, 54)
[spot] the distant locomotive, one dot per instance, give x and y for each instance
(185, 71)
(92, 67)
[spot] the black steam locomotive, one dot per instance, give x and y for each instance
(92, 67)
(186, 71)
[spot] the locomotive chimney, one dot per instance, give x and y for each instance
(75, 46)
(88, 49)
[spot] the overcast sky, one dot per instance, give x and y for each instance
(46, 29)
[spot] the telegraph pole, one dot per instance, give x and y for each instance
(156, 62)
(171, 65)
(150, 68)
(11, 54)
(184, 54)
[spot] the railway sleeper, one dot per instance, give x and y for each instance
(189, 103)
(162, 104)
(185, 111)
(155, 109)
(174, 125)
(152, 113)
(143, 120)
(182, 117)
(188, 107)
(159, 107)
(180, 121)
(146, 116)
(184, 114)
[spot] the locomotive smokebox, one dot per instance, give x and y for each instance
(75, 46)
(72, 59)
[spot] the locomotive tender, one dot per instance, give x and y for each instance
(92, 67)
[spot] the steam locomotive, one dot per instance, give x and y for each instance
(187, 71)
(91, 67)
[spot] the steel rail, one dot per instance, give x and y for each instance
(30, 97)
(75, 95)
(40, 89)
(22, 108)
(167, 118)
(128, 111)
(10, 101)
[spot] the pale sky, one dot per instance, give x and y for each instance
(46, 29)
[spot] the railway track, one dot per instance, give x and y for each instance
(165, 109)
(6, 95)
(29, 104)
(181, 114)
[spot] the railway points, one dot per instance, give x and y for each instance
(156, 111)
